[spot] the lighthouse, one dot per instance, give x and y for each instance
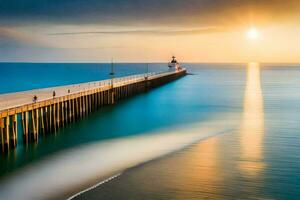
(174, 64)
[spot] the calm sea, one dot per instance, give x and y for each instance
(225, 131)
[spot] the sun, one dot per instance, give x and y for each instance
(252, 33)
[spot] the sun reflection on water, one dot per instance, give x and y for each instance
(252, 126)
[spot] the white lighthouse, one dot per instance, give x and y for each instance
(174, 64)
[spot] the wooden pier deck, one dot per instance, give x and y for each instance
(71, 102)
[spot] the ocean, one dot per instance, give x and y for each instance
(224, 131)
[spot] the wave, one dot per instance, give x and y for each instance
(94, 186)
(74, 169)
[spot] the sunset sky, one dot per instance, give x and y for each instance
(152, 31)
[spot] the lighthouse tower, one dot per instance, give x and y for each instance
(174, 64)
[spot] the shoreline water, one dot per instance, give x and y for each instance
(76, 168)
(94, 186)
(119, 174)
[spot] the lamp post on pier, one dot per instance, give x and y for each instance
(147, 71)
(112, 73)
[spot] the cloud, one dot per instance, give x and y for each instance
(9, 34)
(145, 32)
(141, 12)
(14, 38)
(32, 28)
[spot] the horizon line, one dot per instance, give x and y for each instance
(142, 62)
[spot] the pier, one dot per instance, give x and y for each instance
(31, 114)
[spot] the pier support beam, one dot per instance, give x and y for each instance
(58, 115)
(14, 130)
(2, 134)
(24, 119)
(42, 121)
(63, 113)
(112, 96)
(7, 132)
(47, 119)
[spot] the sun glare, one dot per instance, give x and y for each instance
(252, 34)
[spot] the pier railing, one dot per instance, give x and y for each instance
(18, 99)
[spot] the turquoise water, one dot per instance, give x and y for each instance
(258, 158)
(26, 76)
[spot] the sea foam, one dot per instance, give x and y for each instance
(74, 168)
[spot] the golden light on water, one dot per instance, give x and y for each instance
(252, 127)
(199, 166)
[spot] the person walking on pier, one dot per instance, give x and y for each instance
(34, 98)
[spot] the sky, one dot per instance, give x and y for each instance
(149, 31)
